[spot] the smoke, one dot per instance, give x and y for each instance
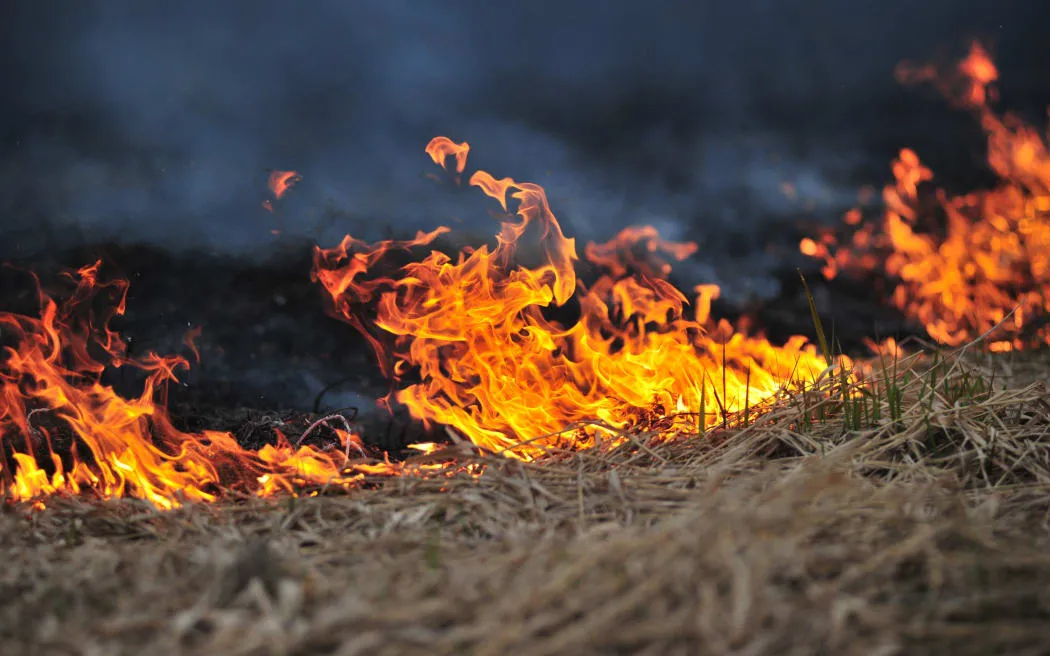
(157, 121)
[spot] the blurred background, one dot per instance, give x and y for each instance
(144, 132)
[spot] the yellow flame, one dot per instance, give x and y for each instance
(63, 432)
(473, 342)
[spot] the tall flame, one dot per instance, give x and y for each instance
(474, 344)
(62, 431)
(963, 265)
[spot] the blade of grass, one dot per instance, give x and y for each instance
(815, 316)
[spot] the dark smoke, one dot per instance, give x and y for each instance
(155, 121)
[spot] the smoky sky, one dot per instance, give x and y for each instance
(156, 121)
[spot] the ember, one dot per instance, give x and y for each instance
(969, 265)
(470, 342)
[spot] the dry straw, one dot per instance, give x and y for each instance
(917, 527)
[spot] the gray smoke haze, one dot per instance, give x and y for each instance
(155, 121)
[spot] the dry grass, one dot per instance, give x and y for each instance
(923, 533)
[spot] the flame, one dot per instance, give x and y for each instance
(962, 265)
(967, 85)
(281, 181)
(618, 254)
(426, 448)
(440, 148)
(473, 343)
(62, 431)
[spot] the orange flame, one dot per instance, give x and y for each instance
(618, 254)
(282, 181)
(279, 183)
(967, 84)
(441, 148)
(970, 264)
(474, 345)
(62, 431)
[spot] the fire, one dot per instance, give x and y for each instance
(969, 265)
(281, 181)
(617, 255)
(475, 341)
(62, 431)
(440, 148)
(968, 85)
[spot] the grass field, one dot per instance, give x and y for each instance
(917, 524)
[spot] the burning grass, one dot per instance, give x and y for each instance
(468, 343)
(921, 531)
(961, 264)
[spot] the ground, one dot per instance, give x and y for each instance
(923, 531)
